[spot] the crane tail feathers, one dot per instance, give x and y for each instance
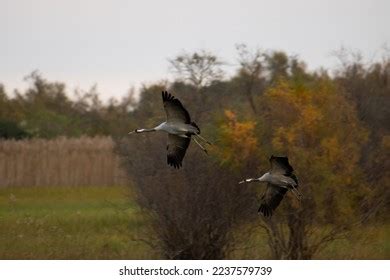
(197, 127)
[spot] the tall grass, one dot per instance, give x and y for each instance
(60, 162)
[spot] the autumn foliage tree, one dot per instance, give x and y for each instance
(320, 132)
(318, 129)
(237, 140)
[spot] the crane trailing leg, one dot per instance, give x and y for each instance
(296, 192)
(203, 148)
(203, 139)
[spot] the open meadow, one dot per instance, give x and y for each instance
(105, 223)
(69, 223)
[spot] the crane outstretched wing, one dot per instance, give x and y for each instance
(280, 165)
(271, 199)
(174, 109)
(177, 147)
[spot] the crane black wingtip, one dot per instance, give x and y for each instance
(265, 210)
(282, 158)
(174, 162)
(166, 96)
(283, 162)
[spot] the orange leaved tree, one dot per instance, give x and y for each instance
(318, 129)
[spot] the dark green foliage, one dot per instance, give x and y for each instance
(11, 130)
(44, 110)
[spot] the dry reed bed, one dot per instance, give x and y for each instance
(73, 162)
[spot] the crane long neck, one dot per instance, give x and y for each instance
(264, 178)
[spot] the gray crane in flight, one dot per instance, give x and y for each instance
(180, 130)
(279, 180)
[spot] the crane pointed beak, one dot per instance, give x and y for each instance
(133, 131)
(241, 182)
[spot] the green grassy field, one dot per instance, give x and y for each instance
(70, 223)
(104, 223)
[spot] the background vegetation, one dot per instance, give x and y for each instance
(334, 127)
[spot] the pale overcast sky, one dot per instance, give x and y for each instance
(120, 43)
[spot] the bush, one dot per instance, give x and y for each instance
(11, 130)
(194, 210)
